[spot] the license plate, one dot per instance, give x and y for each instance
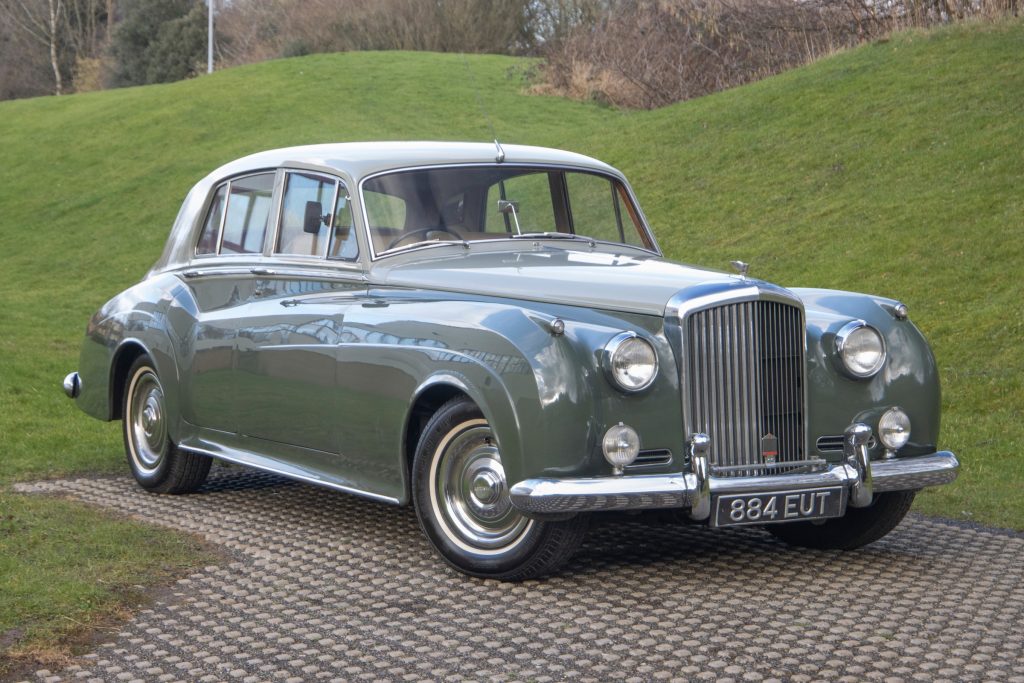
(779, 506)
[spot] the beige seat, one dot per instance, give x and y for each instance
(304, 244)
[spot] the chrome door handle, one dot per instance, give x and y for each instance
(261, 271)
(193, 274)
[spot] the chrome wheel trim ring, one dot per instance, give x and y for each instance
(469, 494)
(146, 421)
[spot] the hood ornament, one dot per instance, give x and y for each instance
(740, 267)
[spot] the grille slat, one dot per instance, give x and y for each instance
(745, 365)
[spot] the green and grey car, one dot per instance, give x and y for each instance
(493, 336)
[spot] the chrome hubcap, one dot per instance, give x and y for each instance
(147, 426)
(471, 491)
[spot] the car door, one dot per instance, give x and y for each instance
(286, 355)
(222, 285)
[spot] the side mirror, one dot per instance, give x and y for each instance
(313, 217)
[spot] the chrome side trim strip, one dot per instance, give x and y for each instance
(654, 491)
(239, 458)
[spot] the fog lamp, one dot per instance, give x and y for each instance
(621, 445)
(894, 429)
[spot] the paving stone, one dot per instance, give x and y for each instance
(325, 586)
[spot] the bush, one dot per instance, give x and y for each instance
(159, 41)
(648, 53)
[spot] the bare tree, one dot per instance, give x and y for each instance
(41, 20)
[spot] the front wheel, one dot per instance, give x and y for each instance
(857, 528)
(156, 462)
(463, 504)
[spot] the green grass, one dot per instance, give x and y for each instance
(894, 169)
(68, 570)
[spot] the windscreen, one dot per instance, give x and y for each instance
(408, 208)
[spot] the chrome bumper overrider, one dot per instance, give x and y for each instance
(693, 490)
(72, 385)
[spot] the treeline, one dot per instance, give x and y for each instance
(59, 46)
(629, 53)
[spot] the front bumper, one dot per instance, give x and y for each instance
(861, 477)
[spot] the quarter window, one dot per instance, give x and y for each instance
(211, 228)
(237, 220)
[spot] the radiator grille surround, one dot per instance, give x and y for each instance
(744, 381)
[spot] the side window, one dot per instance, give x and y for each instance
(531, 193)
(343, 237)
(245, 224)
(211, 229)
(306, 214)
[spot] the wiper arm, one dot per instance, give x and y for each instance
(552, 236)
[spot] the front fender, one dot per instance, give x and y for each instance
(909, 379)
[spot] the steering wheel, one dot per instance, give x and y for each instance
(422, 231)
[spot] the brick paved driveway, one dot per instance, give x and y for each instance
(326, 586)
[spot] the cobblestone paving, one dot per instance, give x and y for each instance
(327, 586)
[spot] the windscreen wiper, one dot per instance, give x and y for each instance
(552, 236)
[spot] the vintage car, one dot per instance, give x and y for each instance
(492, 334)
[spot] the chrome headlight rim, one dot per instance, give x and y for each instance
(613, 346)
(842, 340)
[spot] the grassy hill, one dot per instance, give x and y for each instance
(895, 169)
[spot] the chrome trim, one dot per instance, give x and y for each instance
(234, 456)
(807, 465)
(843, 334)
(73, 385)
(608, 355)
(855, 451)
(658, 491)
(709, 295)
(915, 472)
(741, 267)
(828, 443)
(311, 271)
(699, 480)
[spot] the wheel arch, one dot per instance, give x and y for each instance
(437, 390)
(127, 352)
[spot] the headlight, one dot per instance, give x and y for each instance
(631, 362)
(861, 349)
(894, 429)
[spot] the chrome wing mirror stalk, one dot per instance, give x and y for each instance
(855, 452)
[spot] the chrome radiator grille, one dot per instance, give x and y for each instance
(745, 365)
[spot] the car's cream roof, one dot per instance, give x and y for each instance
(355, 161)
(360, 159)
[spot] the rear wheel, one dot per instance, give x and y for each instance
(463, 505)
(156, 462)
(857, 528)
